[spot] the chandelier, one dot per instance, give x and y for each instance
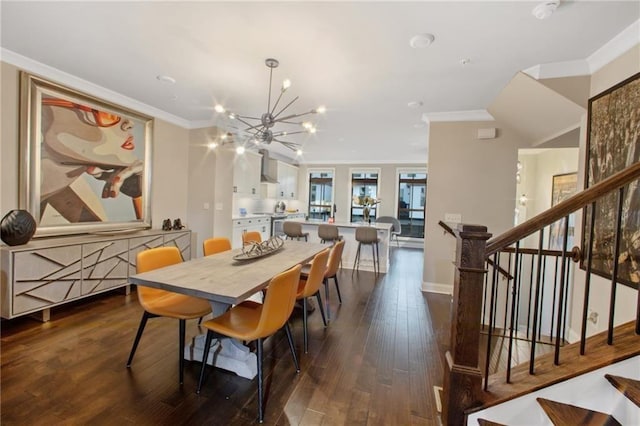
(260, 129)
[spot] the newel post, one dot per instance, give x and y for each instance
(462, 376)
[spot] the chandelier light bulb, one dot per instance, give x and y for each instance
(224, 136)
(219, 108)
(321, 109)
(312, 130)
(307, 125)
(299, 152)
(232, 116)
(240, 150)
(212, 145)
(286, 84)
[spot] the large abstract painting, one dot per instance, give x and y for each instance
(613, 143)
(86, 162)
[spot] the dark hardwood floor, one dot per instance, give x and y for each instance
(375, 364)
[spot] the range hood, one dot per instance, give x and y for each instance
(265, 176)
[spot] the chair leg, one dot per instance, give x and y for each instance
(304, 324)
(287, 330)
(324, 319)
(260, 384)
(205, 356)
(356, 261)
(325, 281)
(335, 279)
(183, 324)
(143, 322)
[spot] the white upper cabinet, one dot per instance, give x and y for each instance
(287, 175)
(246, 175)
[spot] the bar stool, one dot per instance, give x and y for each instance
(328, 232)
(368, 235)
(294, 230)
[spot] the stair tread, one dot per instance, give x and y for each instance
(562, 414)
(629, 387)
(484, 422)
(598, 354)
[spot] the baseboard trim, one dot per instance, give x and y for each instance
(428, 287)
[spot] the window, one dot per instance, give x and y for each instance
(412, 193)
(320, 194)
(363, 184)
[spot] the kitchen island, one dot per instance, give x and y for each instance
(348, 232)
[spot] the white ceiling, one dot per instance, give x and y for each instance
(353, 57)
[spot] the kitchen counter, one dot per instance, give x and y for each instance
(250, 216)
(348, 232)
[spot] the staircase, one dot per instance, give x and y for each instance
(502, 288)
(589, 399)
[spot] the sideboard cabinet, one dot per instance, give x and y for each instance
(48, 272)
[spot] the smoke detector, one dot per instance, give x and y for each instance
(421, 41)
(545, 9)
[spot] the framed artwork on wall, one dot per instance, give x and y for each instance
(86, 163)
(563, 186)
(613, 143)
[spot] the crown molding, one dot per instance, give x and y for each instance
(615, 47)
(607, 53)
(85, 86)
(470, 115)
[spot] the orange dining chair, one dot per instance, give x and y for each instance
(310, 286)
(215, 245)
(254, 321)
(335, 257)
(161, 303)
(251, 236)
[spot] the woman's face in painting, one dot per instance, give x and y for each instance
(78, 135)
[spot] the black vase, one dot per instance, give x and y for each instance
(17, 227)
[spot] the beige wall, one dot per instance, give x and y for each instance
(169, 163)
(471, 177)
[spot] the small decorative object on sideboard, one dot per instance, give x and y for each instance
(17, 227)
(177, 225)
(166, 225)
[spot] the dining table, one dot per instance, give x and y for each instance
(226, 279)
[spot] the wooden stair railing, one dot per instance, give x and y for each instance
(462, 376)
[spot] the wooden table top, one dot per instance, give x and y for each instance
(222, 279)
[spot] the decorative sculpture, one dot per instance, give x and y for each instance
(17, 227)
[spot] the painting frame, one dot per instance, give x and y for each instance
(86, 163)
(563, 186)
(613, 143)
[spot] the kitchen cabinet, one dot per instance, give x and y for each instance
(246, 175)
(287, 175)
(48, 272)
(262, 224)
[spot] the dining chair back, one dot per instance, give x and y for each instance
(215, 245)
(254, 321)
(310, 286)
(162, 303)
(251, 236)
(294, 230)
(328, 232)
(367, 235)
(335, 257)
(396, 230)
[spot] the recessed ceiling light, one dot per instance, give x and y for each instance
(545, 9)
(166, 79)
(465, 61)
(415, 104)
(421, 40)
